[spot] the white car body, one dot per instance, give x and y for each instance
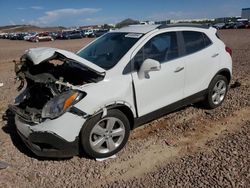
(179, 79)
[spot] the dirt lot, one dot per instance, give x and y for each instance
(192, 147)
(13, 49)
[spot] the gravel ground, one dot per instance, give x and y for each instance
(226, 164)
(192, 147)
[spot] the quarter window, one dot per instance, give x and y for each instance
(206, 40)
(195, 41)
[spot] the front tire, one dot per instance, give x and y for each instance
(217, 92)
(104, 137)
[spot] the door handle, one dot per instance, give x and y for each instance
(179, 69)
(215, 55)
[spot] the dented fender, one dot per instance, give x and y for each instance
(100, 96)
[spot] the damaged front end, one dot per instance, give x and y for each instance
(51, 82)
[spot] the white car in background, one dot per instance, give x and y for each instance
(89, 33)
(29, 36)
(125, 78)
(39, 37)
(3, 35)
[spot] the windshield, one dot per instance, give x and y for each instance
(107, 50)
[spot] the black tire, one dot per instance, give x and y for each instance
(85, 134)
(208, 102)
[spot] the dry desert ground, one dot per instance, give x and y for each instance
(192, 147)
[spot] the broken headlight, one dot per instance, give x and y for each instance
(60, 104)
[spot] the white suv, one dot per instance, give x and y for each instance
(127, 77)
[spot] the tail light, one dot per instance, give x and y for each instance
(229, 50)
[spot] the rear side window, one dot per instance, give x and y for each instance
(206, 40)
(195, 41)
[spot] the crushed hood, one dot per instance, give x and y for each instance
(39, 55)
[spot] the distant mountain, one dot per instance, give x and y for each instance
(127, 22)
(28, 28)
(32, 28)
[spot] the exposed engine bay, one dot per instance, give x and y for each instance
(49, 88)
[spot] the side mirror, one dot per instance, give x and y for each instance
(147, 66)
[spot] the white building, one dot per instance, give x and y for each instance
(245, 13)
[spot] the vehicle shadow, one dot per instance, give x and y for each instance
(10, 128)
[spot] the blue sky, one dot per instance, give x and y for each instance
(80, 12)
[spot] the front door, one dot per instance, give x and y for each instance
(163, 87)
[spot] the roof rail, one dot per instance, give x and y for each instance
(203, 26)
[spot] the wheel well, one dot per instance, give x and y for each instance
(127, 112)
(226, 73)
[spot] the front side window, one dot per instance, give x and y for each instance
(162, 48)
(195, 41)
(107, 50)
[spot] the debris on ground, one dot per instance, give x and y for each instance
(3, 165)
(104, 159)
(236, 84)
(169, 142)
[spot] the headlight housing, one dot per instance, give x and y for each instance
(61, 103)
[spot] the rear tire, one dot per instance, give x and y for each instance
(104, 137)
(217, 92)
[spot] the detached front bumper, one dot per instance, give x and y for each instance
(49, 145)
(57, 138)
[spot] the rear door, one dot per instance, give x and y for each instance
(201, 59)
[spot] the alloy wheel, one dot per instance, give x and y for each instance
(219, 92)
(107, 135)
